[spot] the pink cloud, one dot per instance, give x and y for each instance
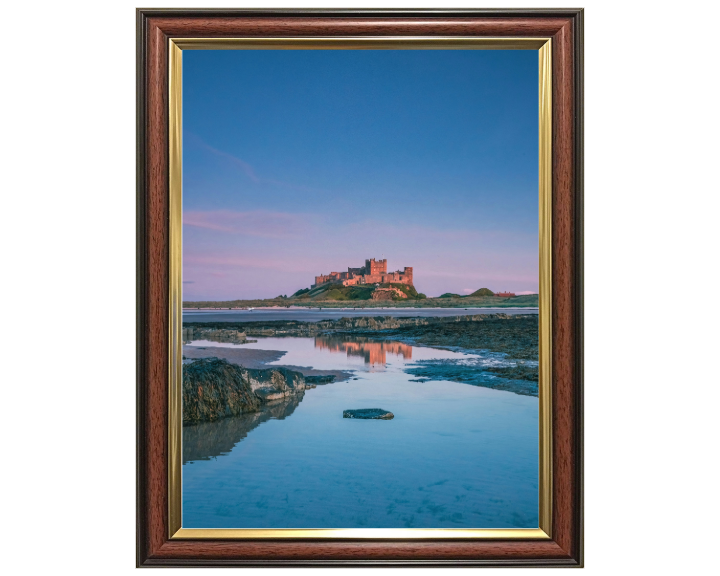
(482, 276)
(226, 262)
(255, 223)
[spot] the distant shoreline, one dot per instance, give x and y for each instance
(459, 307)
(525, 301)
(226, 317)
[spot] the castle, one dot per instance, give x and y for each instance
(374, 272)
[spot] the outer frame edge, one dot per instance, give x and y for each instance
(141, 554)
(361, 12)
(579, 185)
(567, 562)
(142, 14)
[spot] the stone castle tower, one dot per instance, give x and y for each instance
(374, 272)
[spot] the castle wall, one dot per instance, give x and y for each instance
(374, 272)
(321, 279)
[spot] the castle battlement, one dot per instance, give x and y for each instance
(374, 272)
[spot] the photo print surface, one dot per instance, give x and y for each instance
(360, 289)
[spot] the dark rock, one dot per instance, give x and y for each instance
(322, 379)
(520, 379)
(369, 414)
(215, 389)
(190, 333)
(518, 372)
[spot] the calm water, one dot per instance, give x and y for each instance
(315, 314)
(454, 456)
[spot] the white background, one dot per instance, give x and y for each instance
(68, 281)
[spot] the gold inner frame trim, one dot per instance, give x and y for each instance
(544, 48)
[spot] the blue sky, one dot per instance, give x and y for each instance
(302, 162)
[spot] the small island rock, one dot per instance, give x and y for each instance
(369, 414)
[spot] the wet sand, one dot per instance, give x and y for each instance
(246, 357)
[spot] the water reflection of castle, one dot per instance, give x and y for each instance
(373, 352)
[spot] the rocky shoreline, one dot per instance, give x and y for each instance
(259, 359)
(495, 327)
(214, 389)
(515, 335)
(513, 379)
(220, 382)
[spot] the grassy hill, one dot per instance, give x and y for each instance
(338, 292)
(339, 296)
(481, 292)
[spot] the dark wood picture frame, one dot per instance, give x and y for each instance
(154, 29)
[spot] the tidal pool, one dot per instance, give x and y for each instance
(454, 456)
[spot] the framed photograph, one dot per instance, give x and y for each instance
(359, 287)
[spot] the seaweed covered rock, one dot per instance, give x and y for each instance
(369, 414)
(321, 379)
(190, 333)
(215, 389)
